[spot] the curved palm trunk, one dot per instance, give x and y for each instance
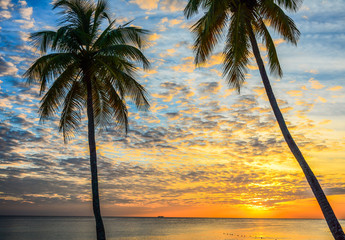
(93, 163)
(326, 208)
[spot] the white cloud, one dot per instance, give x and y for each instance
(18, 59)
(5, 4)
(23, 3)
(5, 14)
(26, 24)
(24, 36)
(26, 13)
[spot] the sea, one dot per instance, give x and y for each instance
(139, 228)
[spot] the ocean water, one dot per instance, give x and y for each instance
(83, 228)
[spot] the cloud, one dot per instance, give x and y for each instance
(173, 116)
(313, 71)
(5, 14)
(315, 84)
(7, 68)
(187, 65)
(146, 4)
(172, 5)
(5, 4)
(164, 20)
(169, 52)
(278, 41)
(321, 99)
(6, 103)
(154, 37)
(25, 12)
(25, 24)
(295, 93)
(335, 88)
(24, 36)
(215, 59)
(174, 22)
(210, 87)
(150, 72)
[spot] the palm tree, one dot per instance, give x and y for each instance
(247, 21)
(87, 67)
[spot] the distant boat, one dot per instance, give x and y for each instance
(160, 217)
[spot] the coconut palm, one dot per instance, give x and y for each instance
(246, 22)
(86, 66)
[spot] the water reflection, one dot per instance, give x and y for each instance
(82, 228)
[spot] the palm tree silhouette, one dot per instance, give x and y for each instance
(246, 22)
(87, 67)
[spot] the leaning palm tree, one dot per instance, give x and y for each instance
(246, 21)
(85, 66)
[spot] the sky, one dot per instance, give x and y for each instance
(203, 149)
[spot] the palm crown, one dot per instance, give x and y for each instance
(79, 52)
(241, 18)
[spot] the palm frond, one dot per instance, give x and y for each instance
(237, 47)
(100, 13)
(279, 21)
(291, 5)
(47, 68)
(125, 52)
(102, 40)
(124, 83)
(117, 104)
(101, 112)
(271, 49)
(124, 35)
(43, 40)
(79, 14)
(57, 92)
(70, 40)
(71, 112)
(192, 7)
(208, 30)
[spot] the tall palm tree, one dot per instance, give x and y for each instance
(85, 66)
(246, 21)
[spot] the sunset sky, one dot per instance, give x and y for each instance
(203, 150)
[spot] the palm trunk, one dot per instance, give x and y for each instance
(326, 208)
(93, 163)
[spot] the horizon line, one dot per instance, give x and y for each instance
(89, 216)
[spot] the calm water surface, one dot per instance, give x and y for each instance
(83, 228)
